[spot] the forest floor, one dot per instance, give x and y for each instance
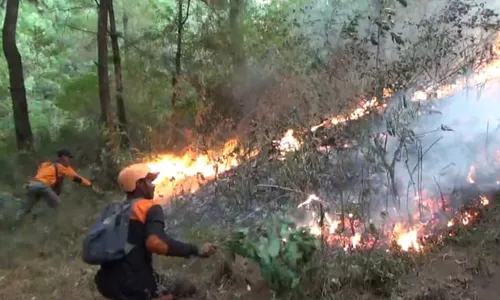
(40, 259)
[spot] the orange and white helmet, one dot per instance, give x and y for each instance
(129, 176)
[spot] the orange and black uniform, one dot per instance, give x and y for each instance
(133, 277)
(47, 174)
(46, 185)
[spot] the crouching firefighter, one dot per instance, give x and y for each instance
(48, 181)
(125, 237)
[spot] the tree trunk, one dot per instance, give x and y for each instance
(178, 54)
(235, 20)
(102, 59)
(120, 103)
(125, 35)
(24, 136)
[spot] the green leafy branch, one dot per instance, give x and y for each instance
(280, 247)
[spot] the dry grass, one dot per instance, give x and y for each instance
(40, 260)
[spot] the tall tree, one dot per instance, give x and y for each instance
(236, 8)
(120, 103)
(22, 125)
(236, 36)
(181, 21)
(102, 62)
(125, 34)
(108, 165)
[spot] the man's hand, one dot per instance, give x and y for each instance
(207, 250)
(96, 189)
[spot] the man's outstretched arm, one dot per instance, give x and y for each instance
(157, 241)
(70, 173)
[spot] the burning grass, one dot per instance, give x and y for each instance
(442, 268)
(389, 271)
(209, 164)
(431, 224)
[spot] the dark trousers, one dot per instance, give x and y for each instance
(34, 192)
(112, 286)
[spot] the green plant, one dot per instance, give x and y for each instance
(282, 250)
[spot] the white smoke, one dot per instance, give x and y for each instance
(460, 131)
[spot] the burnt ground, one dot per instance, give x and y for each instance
(467, 267)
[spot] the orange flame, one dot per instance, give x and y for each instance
(178, 168)
(287, 143)
(190, 164)
(407, 238)
(350, 234)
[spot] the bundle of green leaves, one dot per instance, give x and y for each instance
(281, 248)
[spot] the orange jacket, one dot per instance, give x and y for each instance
(47, 174)
(134, 275)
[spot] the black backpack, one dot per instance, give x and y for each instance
(57, 187)
(106, 240)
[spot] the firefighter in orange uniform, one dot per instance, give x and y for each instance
(48, 181)
(133, 277)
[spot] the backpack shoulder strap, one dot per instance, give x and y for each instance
(118, 207)
(58, 183)
(54, 163)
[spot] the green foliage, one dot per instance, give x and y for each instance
(78, 95)
(282, 250)
(45, 118)
(57, 42)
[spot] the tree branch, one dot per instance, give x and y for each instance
(70, 8)
(80, 29)
(133, 44)
(187, 14)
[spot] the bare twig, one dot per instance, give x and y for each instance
(322, 224)
(261, 207)
(425, 152)
(281, 188)
(443, 204)
(187, 13)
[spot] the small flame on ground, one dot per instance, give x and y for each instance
(406, 238)
(484, 200)
(287, 143)
(359, 112)
(350, 233)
